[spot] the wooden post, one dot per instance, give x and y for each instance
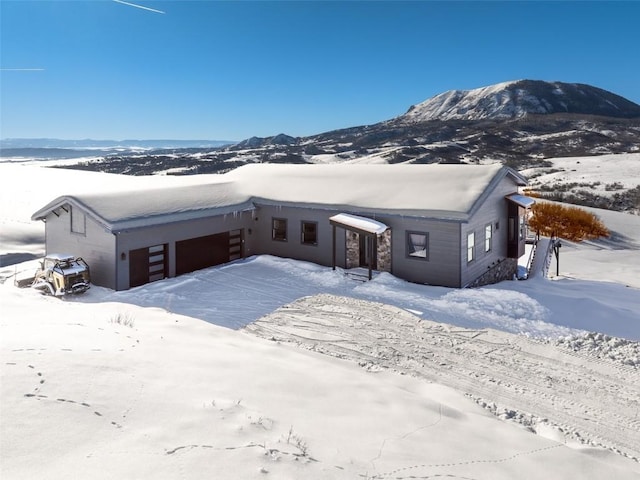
(334, 247)
(370, 259)
(556, 250)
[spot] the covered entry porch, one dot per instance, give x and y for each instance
(368, 242)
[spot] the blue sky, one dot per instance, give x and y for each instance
(230, 70)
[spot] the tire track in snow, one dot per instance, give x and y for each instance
(595, 400)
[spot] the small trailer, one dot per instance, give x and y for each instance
(58, 275)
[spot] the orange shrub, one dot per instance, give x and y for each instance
(572, 223)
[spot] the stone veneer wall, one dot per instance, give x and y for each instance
(353, 250)
(504, 270)
(384, 250)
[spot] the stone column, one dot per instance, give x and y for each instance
(353, 249)
(384, 251)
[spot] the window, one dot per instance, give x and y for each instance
(78, 221)
(471, 243)
(418, 245)
(488, 237)
(279, 229)
(309, 233)
(157, 262)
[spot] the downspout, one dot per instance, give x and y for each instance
(46, 235)
(460, 255)
(334, 247)
(117, 261)
(373, 254)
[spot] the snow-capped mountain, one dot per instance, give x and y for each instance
(516, 99)
(524, 124)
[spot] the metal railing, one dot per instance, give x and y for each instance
(532, 253)
(547, 260)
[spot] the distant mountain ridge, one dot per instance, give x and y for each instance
(91, 143)
(519, 124)
(59, 148)
(511, 100)
(280, 139)
(462, 118)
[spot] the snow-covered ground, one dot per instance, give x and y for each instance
(430, 382)
(603, 175)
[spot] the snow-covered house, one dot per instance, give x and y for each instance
(449, 225)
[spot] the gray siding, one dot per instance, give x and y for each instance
(443, 264)
(293, 247)
(493, 211)
(442, 267)
(96, 245)
(446, 265)
(173, 232)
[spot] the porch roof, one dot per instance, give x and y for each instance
(358, 224)
(521, 200)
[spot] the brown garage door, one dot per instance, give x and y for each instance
(147, 264)
(208, 251)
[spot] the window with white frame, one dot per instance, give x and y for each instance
(471, 244)
(78, 221)
(279, 229)
(418, 245)
(488, 237)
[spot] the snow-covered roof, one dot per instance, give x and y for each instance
(436, 191)
(521, 200)
(126, 208)
(71, 269)
(359, 223)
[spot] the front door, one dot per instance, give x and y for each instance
(367, 251)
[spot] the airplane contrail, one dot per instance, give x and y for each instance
(138, 6)
(22, 69)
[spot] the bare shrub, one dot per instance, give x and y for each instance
(298, 442)
(123, 319)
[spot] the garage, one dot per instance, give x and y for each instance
(208, 251)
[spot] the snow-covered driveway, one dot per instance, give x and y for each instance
(583, 391)
(236, 294)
